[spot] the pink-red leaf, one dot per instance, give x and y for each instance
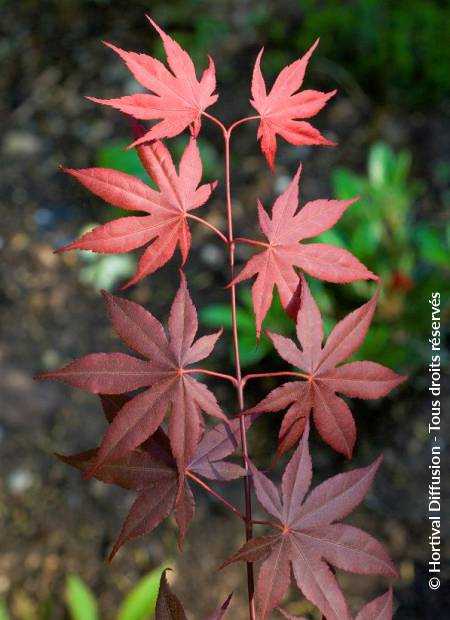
(332, 415)
(281, 108)
(165, 223)
(274, 266)
(178, 98)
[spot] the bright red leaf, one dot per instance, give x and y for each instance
(151, 470)
(163, 372)
(178, 98)
(274, 266)
(281, 109)
(332, 415)
(164, 224)
(310, 539)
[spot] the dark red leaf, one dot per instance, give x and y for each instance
(169, 387)
(168, 606)
(310, 539)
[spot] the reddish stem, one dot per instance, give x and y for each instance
(284, 373)
(276, 526)
(251, 242)
(213, 373)
(208, 225)
(219, 497)
(238, 381)
(240, 387)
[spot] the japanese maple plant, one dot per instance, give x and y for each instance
(156, 443)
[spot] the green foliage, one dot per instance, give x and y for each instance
(139, 603)
(4, 615)
(410, 258)
(80, 600)
(393, 49)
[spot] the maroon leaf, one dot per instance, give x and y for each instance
(165, 223)
(151, 470)
(310, 539)
(215, 446)
(179, 98)
(318, 394)
(281, 108)
(169, 386)
(275, 265)
(168, 606)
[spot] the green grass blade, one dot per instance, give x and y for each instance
(80, 600)
(140, 603)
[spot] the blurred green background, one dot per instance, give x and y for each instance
(390, 64)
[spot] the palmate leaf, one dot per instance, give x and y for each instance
(275, 265)
(151, 470)
(325, 377)
(164, 224)
(179, 98)
(310, 539)
(169, 607)
(281, 108)
(163, 373)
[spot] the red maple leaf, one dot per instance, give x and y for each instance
(332, 415)
(164, 373)
(274, 266)
(283, 106)
(378, 609)
(179, 98)
(151, 470)
(309, 539)
(165, 221)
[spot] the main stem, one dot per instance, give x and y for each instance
(239, 383)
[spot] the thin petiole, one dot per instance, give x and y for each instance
(213, 373)
(277, 526)
(216, 121)
(208, 225)
(251, 242)
(219, 497)
(241, 121)
(285, 373)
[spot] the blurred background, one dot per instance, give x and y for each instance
(390, 64)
